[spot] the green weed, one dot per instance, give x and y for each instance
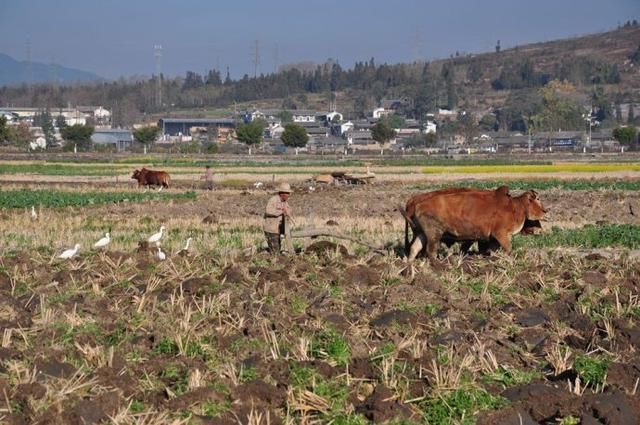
(14, 199)
(136, 406)
(248, 374)
(591, 369)
(508, 377)
(176, 377)
(301, 376)
(166, 346)
(215, 408)
(460, 406)
(544, 184)
(384, 351)
(346, 419)
(333, 346)
(298, 304)
(430, 309)
(590, 236)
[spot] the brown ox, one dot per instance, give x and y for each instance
(151, 178)
(408, 212)
(474, 216)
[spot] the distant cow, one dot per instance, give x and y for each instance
(152, 178)
(473, 216)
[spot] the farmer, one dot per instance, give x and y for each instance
(208, 177)
(277, 217)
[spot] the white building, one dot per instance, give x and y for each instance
(38, 143)
(9, 116)
(303, 116)
(331, 117)
(274, 131)
(72, 117)
(102, 116)
(380, 112)
(446, 112)
(346, 127)
(430, 127)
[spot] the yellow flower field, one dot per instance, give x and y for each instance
(543, 168)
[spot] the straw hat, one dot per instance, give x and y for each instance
(283, 188)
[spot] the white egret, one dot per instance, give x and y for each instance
(103, 242)
(70, 252)
(156, 236)
(161, 255)
(186, 247)
(257, 185)
(34, 214)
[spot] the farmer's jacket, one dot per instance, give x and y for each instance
(273, 214)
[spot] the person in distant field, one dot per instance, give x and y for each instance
(277, 217)
(208, 177)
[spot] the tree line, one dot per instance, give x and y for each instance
(425, 86)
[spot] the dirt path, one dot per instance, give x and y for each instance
(406, 174)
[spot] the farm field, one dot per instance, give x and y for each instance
(227, 334)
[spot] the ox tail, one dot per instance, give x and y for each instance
(166, 181)
(407, 220)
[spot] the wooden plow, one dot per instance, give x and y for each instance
(315, 232)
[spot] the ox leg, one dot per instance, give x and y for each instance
(486, 246)
(465, 246)
(433, 232)
(433, 241)
(416, 246)
(423, 243)
(504, 239)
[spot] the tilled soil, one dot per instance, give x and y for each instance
(219, 340)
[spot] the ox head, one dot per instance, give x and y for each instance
(502, 191)
(533, 205)
(136, 174)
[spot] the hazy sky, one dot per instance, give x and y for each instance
(115, 37)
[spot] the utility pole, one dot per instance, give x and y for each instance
(29, 76)
(418, 47)
(587, 118)
(256, 59)
(275, 60)
(157, 54)
(529, 131)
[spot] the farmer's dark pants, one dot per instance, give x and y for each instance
(273, 242)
